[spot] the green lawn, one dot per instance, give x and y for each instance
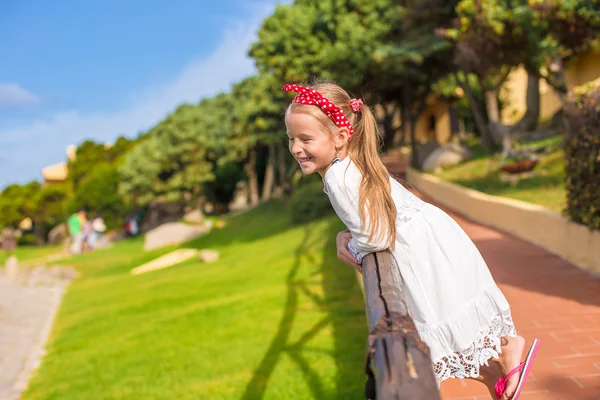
(277, 317)
(31, 253)
(482, 173)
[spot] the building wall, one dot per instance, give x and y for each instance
(434, 123)
(577, 71)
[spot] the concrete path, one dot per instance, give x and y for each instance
(28, 305)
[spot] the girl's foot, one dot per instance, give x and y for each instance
(489, 375)
(510, 358)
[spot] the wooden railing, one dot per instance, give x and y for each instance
(398, 363)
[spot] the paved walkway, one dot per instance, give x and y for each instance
(551, 300)
(27, 307)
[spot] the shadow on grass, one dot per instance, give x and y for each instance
(343, 304)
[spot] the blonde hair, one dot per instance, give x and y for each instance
(376, 206)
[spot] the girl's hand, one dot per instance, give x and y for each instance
(342, 251)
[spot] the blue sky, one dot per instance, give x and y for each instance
(73, 70)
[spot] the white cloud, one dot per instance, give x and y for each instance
(31, 147)
(12, 95)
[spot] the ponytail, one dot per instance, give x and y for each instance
(376, 206)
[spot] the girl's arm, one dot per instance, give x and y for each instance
(344, 199)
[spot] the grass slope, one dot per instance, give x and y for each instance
(277, 317)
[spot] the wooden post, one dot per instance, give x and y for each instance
(398, 362)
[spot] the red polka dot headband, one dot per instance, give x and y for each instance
(310, 96)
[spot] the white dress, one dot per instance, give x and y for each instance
(458, 309)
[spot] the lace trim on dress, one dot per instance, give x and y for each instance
(466, 363)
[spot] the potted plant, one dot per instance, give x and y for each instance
(517, 161)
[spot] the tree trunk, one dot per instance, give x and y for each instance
(414, 158)
(496, 137)
(559, 84)
(389, 133)
(532, 114)
(556, 77)
(491, 102)
(39, 232)
(252, 179)
(399, 364)
(407, 103)
(403, 131)
(269, 175)
(478, 113)
(454, 121)
(209, 193)
(282, 168)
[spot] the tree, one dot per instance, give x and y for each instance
(563, 29)
(570, 28)
(331, 40)
(140, 181)
(257, 129)
(121, 146)
(52, 208)
(45, 205)
(491, 37)
(18, 202)
(353, 59)
(419, 57)
(98, 193)
(179, 154)
(291, 43)
(88, 155)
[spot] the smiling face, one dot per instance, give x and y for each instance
(310, 142)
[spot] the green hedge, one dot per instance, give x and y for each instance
(308, 201)
(582, 155)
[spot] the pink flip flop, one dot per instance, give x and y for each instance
(525, 366)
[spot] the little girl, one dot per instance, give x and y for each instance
(457, 307)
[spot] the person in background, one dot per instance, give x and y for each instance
(86, 230)
(75, 224)
(96, 238)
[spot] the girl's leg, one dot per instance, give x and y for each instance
(513, 349)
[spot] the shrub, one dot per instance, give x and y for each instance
(27, 239)
(226, 178)
(582, 155)
(309, 202)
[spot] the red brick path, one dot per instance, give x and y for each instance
(551, 300)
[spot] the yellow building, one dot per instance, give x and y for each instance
(435, 122)
(58, 173)
(55, 173)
